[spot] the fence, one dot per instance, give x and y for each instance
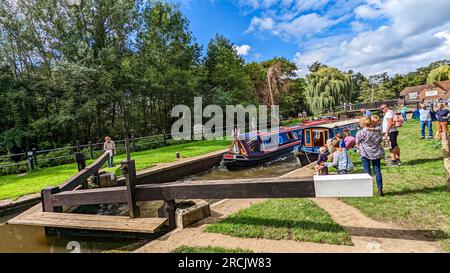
(33, 159)
(356, 107)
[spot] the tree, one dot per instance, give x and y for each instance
(377, 88)
(272, 79)
(327, 88)
(441, 73)
(225, 80)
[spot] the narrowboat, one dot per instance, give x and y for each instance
(317, 135)
(255, 148)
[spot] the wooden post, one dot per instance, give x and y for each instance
(164, 137)
(91, 150)
(169, 208)
(34, 156)
(81, 162)
(129, 172)
(445, 145)
(47, 201)
(133, 145)
(177, 155)
(447, 171)
(78, 146)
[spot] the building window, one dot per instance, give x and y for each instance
(413, 96)
(431, 93)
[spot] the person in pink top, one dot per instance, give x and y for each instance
(350, 141)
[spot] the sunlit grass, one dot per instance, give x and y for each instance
(415, 192)
(290, 219)
(15, 186)
(209, 249)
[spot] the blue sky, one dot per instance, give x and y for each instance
(371, 36)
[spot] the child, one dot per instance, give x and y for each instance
(321, 169)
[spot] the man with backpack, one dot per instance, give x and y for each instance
(390, 131)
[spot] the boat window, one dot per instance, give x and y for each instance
(319, 138)
(308, 138)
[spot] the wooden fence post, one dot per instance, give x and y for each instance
(34, 156)
(91, 150)
(169, 208)
(47, 201)
(128, 168)
(81, 162)
(133, 145)
(164, 138)
(445, 145)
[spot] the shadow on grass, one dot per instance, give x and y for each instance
(422, 161)
(420, 235)
(416, 191)
(278, 223)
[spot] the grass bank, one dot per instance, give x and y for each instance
(416, 193)
(291, 219)
(15, 186)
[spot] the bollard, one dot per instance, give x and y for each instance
(177, 155)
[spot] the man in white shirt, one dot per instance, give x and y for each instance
(391, 132)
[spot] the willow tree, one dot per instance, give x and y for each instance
(326, 88)
(441, 73)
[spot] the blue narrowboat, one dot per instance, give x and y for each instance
(255, 148)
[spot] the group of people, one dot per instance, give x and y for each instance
(427, 114)
(368, 143)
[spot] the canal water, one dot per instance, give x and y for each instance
(33, 239)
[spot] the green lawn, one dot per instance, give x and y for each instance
(14, 186)
(293, 219)
(415, 192)
(209, 249)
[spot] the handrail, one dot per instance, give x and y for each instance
(84, 174)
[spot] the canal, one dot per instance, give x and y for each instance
(28, 239)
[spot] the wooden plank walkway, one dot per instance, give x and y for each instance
(35, 217)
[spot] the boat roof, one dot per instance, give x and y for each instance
(337, 124)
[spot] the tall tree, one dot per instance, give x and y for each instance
(441, 73)
(327, 88)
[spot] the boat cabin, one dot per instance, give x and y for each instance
(316, 136)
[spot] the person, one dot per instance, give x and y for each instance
(109, 147)
(442, 120)
(404, 112)
(416, 113)
(391, 132)
(369, 146)
(320, 168)
(341, 160)
(332, 142)
(426, 120)
(366, 112)
(349, 140)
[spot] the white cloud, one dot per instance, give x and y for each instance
(243, 49)
(367, 12)
(260, 24)
(415, 33)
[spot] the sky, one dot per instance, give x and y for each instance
(369, 36)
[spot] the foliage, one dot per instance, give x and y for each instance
(441, 73)
(326, 88)
(376, 88)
